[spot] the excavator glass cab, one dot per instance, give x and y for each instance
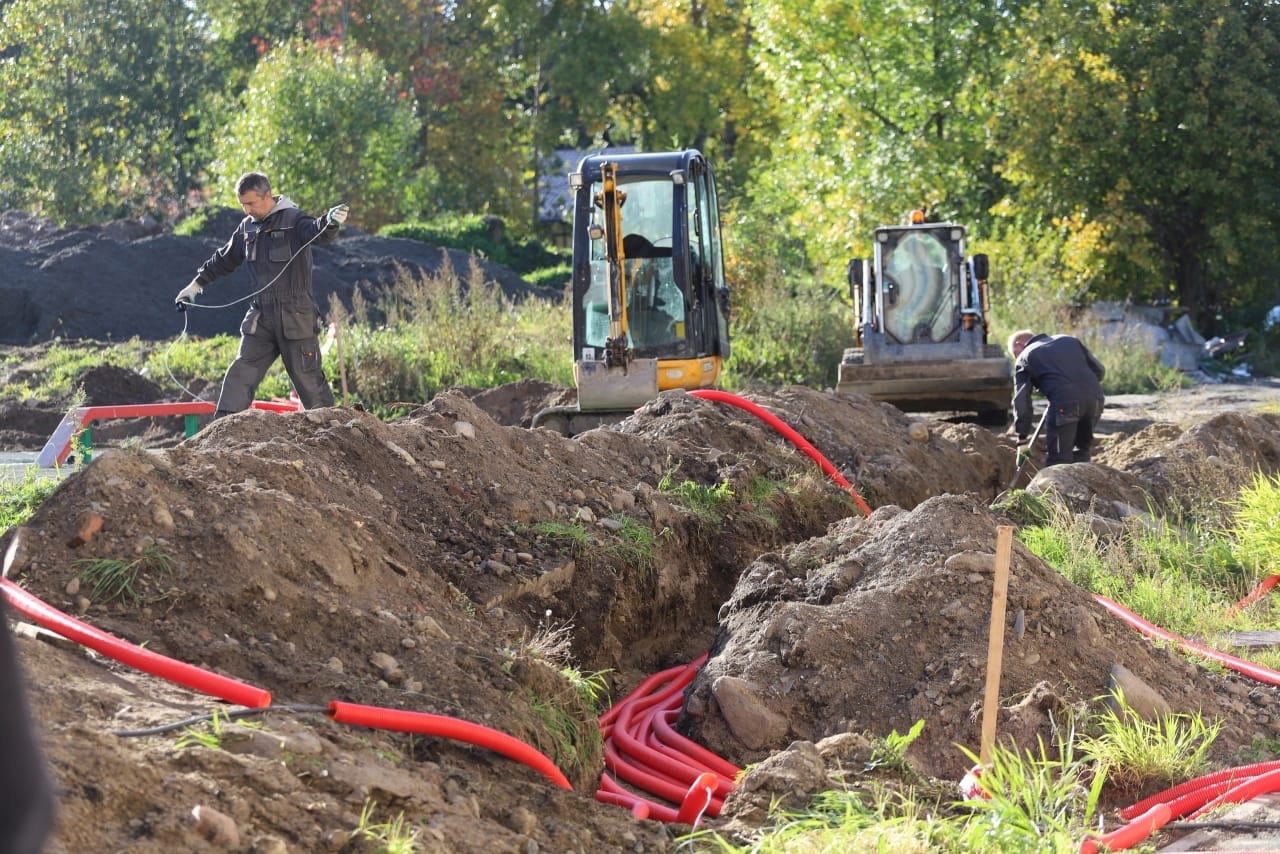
(650, 301)
(655, 303)
(648, 262)
(920, 269)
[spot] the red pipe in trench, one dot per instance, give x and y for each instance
(643, 749)
(186, 675)
(233, 691)
(791, 435)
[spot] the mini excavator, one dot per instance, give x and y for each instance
(650, 302)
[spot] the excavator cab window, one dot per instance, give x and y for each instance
(920, 284)
(655, 301)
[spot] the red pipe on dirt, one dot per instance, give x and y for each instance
(1228, 775)
(1131, 834)
(180, 673)
(1256, 672)
(423, 723)
(787, 431)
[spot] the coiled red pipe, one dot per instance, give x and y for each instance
(1227, 775)
(787, 431)
(423, 723)
(642, 749)
(180, 673)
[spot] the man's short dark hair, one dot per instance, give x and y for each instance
(255, 181)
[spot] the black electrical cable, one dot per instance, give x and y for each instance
(296, 708)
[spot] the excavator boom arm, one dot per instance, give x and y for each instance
(610, 200)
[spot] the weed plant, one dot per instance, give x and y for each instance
(210, 738)
(792, 334)
(1132, 369)
(1256, 525)
(20, 499)
(110, 579)
(632, 545)
(1136, 753)
(428, 333)
(708, 503)
(1182, 578)
(393, 836)
(1036, 801)
(58, 368)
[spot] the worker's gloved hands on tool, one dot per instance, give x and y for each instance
(189, 293)
(1024, 450)
(337, 215)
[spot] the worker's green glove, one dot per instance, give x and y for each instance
(1024, 454)
(337, 215)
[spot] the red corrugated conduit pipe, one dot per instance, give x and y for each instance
(180, 673)
(1191, 799)
(240, 693)
(790, 434)
(643, 749)
(1224, 778)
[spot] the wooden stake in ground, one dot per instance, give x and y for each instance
(995, 642)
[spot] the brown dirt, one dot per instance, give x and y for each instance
(329, 556)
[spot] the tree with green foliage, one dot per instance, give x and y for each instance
(887, 108)
(1145, 138)
(703, 88)
(87, 133)
(326, 127)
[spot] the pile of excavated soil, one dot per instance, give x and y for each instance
(430, 565)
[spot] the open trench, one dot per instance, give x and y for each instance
(307, 547)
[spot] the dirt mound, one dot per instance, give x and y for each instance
(117, 281)
(430, 564)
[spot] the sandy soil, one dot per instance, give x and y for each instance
(432, 564)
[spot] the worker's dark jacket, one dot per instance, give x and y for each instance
(283, 319)
(1065, 372)
(268, 245)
